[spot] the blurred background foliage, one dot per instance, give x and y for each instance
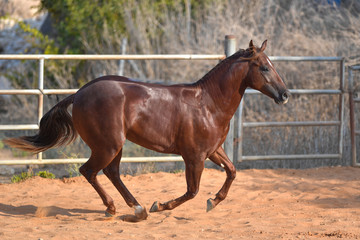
(75, 21)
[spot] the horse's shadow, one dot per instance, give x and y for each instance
(129, 218)
(53, 211)
(50, 211)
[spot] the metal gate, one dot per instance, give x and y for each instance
(339, 122)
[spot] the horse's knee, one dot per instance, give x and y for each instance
(232, 174)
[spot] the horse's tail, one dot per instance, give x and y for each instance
(56, 129)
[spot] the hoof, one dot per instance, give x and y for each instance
(155, 207)
(110, 211)
(109, 215)
(140, 212)
(210, 206)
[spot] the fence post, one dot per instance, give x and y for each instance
(122, 61)
(230, 49)
(341, 107)
(239, 132)
(352, 117)
(41, 95)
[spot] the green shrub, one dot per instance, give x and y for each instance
(46, 174)
(22, 177)
(29, 174)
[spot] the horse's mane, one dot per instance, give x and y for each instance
(242, 55)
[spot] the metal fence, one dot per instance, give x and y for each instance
(40, 92)
(338, 123)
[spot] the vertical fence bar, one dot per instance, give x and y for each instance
(352, 117)
(341, 107)
(41, 96)
(230, 49)
(122, 61)
(239, 131)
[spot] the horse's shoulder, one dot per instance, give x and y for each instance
(192, 96)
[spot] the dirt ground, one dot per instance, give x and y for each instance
(262, 204)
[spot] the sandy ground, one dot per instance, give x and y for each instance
(262, 204)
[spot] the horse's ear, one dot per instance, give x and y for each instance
(263, 46)
(251, 44)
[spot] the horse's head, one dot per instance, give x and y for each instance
(262, 75)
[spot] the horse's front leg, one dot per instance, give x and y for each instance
(219, 157)
(193, 171)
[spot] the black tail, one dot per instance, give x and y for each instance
(56, 129)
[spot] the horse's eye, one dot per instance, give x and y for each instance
(264, 68)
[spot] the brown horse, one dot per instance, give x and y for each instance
(191, 120)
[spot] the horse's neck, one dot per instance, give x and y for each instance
(225, 85)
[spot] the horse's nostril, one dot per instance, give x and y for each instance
(285, 96)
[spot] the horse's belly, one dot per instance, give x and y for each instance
(151, 141)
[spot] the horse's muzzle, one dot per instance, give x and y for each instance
(283, 98)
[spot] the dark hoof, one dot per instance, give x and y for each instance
(210, 205)
(109, 215)
(155, 207)
(110, 211)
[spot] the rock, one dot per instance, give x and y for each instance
(6, 170)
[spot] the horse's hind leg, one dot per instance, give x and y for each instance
(90, 170)
(219, 157)
(113, 173)
(193, 171)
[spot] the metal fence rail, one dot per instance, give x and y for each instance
(111, 57)
(40, 92)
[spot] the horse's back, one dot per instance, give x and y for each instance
(146, 114)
